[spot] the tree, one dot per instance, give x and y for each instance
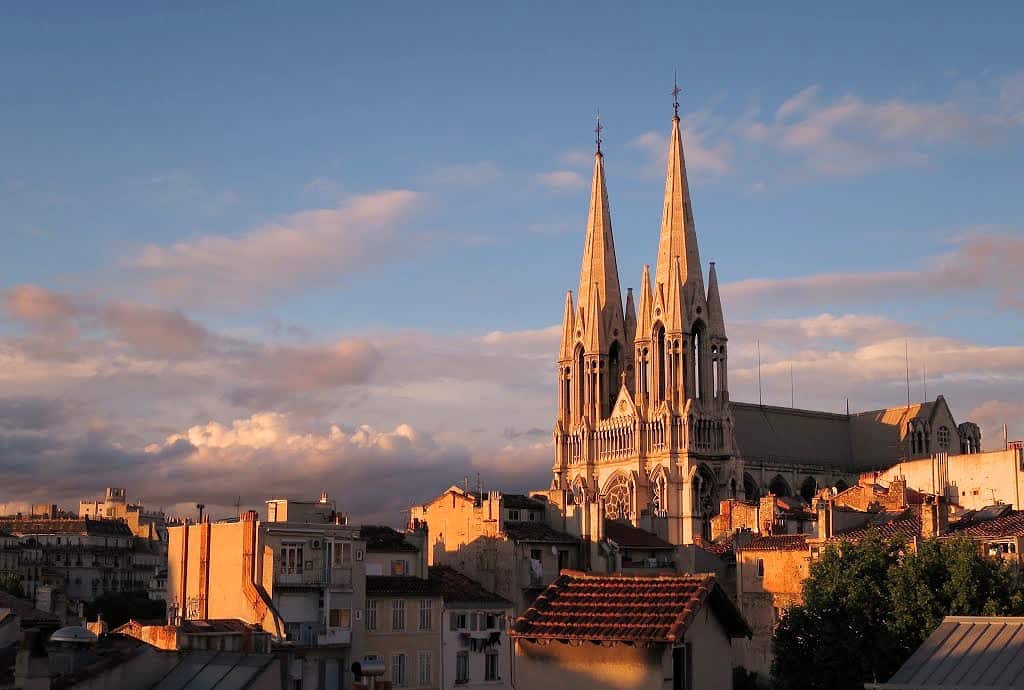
(869, 605)
(11, 583)
(117, 607)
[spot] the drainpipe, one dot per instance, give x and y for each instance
(183, 585)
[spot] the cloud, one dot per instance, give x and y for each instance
(561, 180)
(982, 262)
(31, 303)
(849, 135)
(702, 156)
(297, 250)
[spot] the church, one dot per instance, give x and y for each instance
(644, 421)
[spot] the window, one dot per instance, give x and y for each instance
(398, 614)
(535, 554)
(423, 665)
(462, 667)
(533, 516)
(399, 567)
(371, 614)
(341, 554)
(398, 670)
(491, 666)
(513, 515)
(341, 618)
(943, 437)
(760, 567)
(492, 621)
(458, 621)
(291, 559)
(425, 614)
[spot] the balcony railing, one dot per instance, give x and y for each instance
(334, 636)
(315, 577)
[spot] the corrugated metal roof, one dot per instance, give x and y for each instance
(966, 652)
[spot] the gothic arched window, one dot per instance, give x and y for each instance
(698, 360)
(614, 373)
(660, 359)
(579, 491)
(944, 437)
(780, 487)
(581, 386)
(659, 491)
(808, 489)
(750, 487)
(618, 498)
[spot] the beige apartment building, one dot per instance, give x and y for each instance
(502, 541)
(300, 575)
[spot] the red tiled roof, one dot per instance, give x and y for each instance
(84, 526)
(906, 526)
(537, 532)
(1009, 525)
(776, 542)
(630, 537)
(625, 608)
(723, 547)
(457, 587)
(384, 539)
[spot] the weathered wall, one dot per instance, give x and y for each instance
(557, 665)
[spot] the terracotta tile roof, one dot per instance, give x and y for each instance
(83, 526)
(630, 537)
(520, 502)
(216, 625)
(25, 610)
(906, 526)
(457, 588)
(537, 532)
(722, 547)
(625, 608)
(1010, 524)
(381, 538)
(776, 542)
(401, 586)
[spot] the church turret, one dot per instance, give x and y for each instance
(716, 334)
(642, 340)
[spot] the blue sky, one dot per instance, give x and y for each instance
(416, 176)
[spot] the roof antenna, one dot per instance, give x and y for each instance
(924, 378)
(792, 389)
(906, 355)
(675, 94)
(597, 132)
(760, 394)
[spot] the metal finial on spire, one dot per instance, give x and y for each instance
(597, 131)
(675, 93)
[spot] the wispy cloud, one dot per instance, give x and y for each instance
(849, 135)
(561, 180)
(294, 251)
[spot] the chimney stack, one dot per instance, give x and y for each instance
(934, 517)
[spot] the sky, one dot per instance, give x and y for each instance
(250, 253)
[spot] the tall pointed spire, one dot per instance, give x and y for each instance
(568, 328)
(630, 319)
(644, 319)
(716, 319)
(599, 271)
(678, 235)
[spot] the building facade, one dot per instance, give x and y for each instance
(300, 576)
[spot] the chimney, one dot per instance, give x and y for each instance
(323, 497)
(766, 514)
(934, 517)
(898, 493)
(824, 509)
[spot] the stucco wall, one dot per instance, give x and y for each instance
(972, 481)
(711, 653)
(781, 586)
(410, 641)
(557, 665)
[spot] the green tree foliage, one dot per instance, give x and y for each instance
(867, 606)
(117, 607)
(11, 583)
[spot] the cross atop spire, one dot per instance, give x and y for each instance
(597, 131)
(675, 94)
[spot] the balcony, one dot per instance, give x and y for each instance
(314, 577)
(334, 636)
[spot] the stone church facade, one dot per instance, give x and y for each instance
(645, 425)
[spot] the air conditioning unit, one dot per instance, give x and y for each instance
(316, 543)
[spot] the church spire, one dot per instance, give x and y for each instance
(716, 319)
(678, 235)
(599, 273)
